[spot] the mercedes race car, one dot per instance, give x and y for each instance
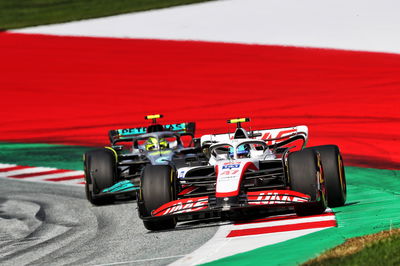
(245, 171)
(115, 171)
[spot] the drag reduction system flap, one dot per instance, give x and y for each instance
(270, 136)
(127, 133)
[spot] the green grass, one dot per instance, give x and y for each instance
(384, 252)
(23, 13)
(377, 249)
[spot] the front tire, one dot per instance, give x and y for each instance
(100, 173)
(157, 188)
(334, 174)
(306, 177)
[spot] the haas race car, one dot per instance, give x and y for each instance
(116, 171)
(246, 171)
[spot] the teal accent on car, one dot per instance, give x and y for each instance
(179, 128)
(125, 185)
(132, 131)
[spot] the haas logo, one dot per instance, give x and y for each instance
(275, 198)
(182, 206)
(270, 136)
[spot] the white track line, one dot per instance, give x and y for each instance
(219, 246)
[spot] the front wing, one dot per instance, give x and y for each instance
(125, 187)
(266, 198)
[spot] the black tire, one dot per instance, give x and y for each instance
(306, 177)
(100, 173)
(157, 188)
(335, 178)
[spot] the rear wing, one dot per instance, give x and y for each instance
(276, 136)
(129, 133)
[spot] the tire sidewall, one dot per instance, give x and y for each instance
(157, 187)
(306, 176)
(100, 173)
(335, 178)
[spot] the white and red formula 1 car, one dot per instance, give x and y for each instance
(246, 171)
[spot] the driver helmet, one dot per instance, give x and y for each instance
(243, 151)
(153, 144)
(163, 144)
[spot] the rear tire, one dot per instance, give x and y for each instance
(100, 173)
(306, 177)
(335, 179)
(156, 188)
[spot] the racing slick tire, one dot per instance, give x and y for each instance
(306, 177)
(335, 179)
(156, 188)
(100, 173)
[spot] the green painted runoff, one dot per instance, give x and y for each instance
(47, 155)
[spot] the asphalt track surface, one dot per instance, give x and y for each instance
(49, 224)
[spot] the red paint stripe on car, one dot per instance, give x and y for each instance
(187, 190)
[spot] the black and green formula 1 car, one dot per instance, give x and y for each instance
(114, 172)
